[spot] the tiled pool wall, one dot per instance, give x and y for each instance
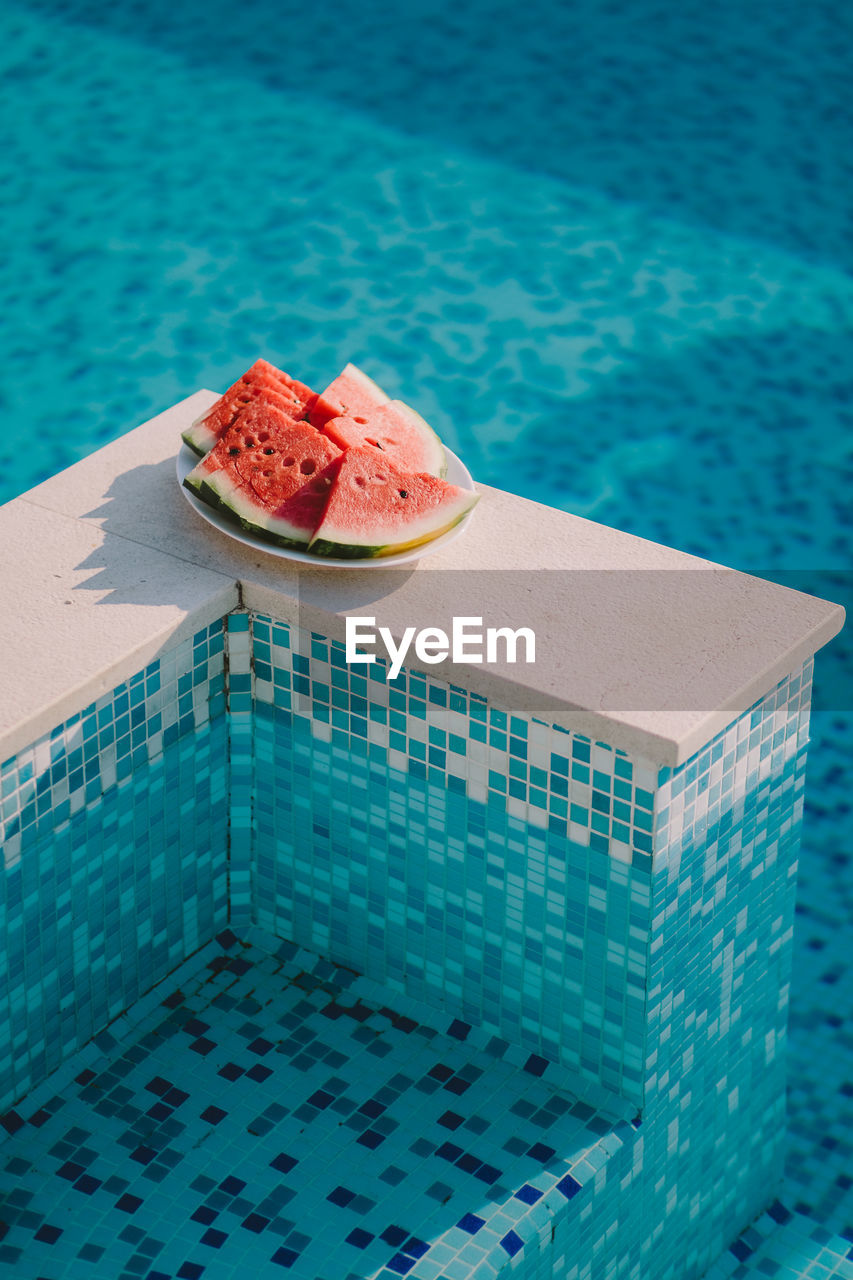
(495, 869)
(482, 862)
(727, 834)
(115, 837)
(502, 870)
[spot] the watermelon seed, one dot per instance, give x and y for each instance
(307, 466)
(269, 450)
(233, 452)
(375, 443)
(360, 481)
(404, 493)
(266, 473)
(249, 442)
(362, 422)
(288, 462)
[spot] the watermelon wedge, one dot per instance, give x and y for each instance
(352, 394)
(262, 383)
(395, 430)
(376, 509)
(269, 474)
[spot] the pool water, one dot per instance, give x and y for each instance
(604, 248)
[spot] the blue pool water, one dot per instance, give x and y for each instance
(604, 247)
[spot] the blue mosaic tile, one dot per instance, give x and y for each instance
(567, 901)
(115, 856)
(370, 1142)
(782, 1245)
(241, 761)
(613, 936)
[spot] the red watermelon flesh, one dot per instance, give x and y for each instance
(270, 474)
(396, 431)
(352, 394)
(346, 432)
(377, 509)
(262, 382)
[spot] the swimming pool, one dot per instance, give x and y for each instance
(594, 258)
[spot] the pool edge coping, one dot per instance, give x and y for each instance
(167, 573)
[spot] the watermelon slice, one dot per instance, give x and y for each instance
(398, 432)
(262, 383)
(352, 393)
(269, 474)
(377, 509)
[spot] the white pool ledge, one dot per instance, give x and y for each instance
(646, 648)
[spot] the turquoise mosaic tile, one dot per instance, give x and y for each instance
(114, 835)
(241, 756)
(427, 860)
(596, 937)
(782, 1245)
(819, 1164)
(719, 978)
(71, 767)
(268, 1113)
(493, 885)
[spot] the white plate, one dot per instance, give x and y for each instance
(457, 473)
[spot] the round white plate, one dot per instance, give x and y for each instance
(457, 473)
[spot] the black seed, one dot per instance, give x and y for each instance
(404, 493)
(233, 452)
(269, 450)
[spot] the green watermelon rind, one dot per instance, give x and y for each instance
(203, 491)
(323, 548)
(344, 551)
(199, 438)
(207, 492)
(337, 548)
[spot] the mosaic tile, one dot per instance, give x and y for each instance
(241, 764)
(707, 854)
(782, 1245)
(604, 936)
(72, 766)
(115, 856)
(565, 900)
(271, 1112)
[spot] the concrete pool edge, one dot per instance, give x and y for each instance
(115, 530)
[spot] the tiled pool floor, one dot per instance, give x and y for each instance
(263, 1113)
(783, 1245)
(101, 1122)
(257, 1112)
